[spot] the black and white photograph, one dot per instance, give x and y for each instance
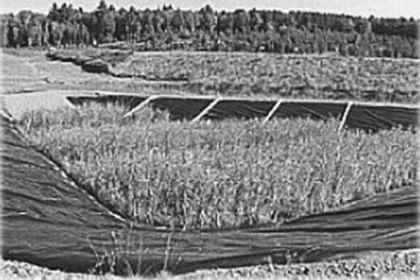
(209, 139)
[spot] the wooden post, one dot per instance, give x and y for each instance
(272, 111)
(206, 110)
(141, 105)
(344, 118)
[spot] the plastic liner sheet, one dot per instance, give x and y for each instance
(313, 110)
(181, 108)
(50, 221)
(128, 101)
(381, 117)
(241, 109)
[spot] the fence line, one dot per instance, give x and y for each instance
(357, 114)
(247, 98)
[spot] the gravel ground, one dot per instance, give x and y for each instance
(371, 265)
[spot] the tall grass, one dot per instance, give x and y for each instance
(288, 76)
(220, 174)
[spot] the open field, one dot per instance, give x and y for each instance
(366, 79)
(204, 176)
(304, 76)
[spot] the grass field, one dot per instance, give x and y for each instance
(319, 77)
(220, 174)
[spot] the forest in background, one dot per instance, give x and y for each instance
(209, 30)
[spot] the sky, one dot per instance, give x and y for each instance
(378, 8)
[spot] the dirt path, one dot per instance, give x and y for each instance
(25, 71)
(19, 74)
(36, 72)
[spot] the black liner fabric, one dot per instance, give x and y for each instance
(367, 116)
(181, 108)
(383, 117)
(313, 110)
(244, 109)
(50, 221)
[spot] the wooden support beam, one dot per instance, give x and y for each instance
(141, 105)
(272, 111)
(344, 118)
(206, 110)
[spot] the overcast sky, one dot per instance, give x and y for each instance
(384, 8)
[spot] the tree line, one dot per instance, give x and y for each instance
(206, 29)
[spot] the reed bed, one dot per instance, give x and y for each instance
(213, 175)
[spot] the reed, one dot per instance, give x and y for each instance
(223, 174)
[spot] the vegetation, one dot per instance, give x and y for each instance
(220, 174)
(206, 29)
(326, 77)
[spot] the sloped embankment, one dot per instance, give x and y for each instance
(100, 62)
(50, 221)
